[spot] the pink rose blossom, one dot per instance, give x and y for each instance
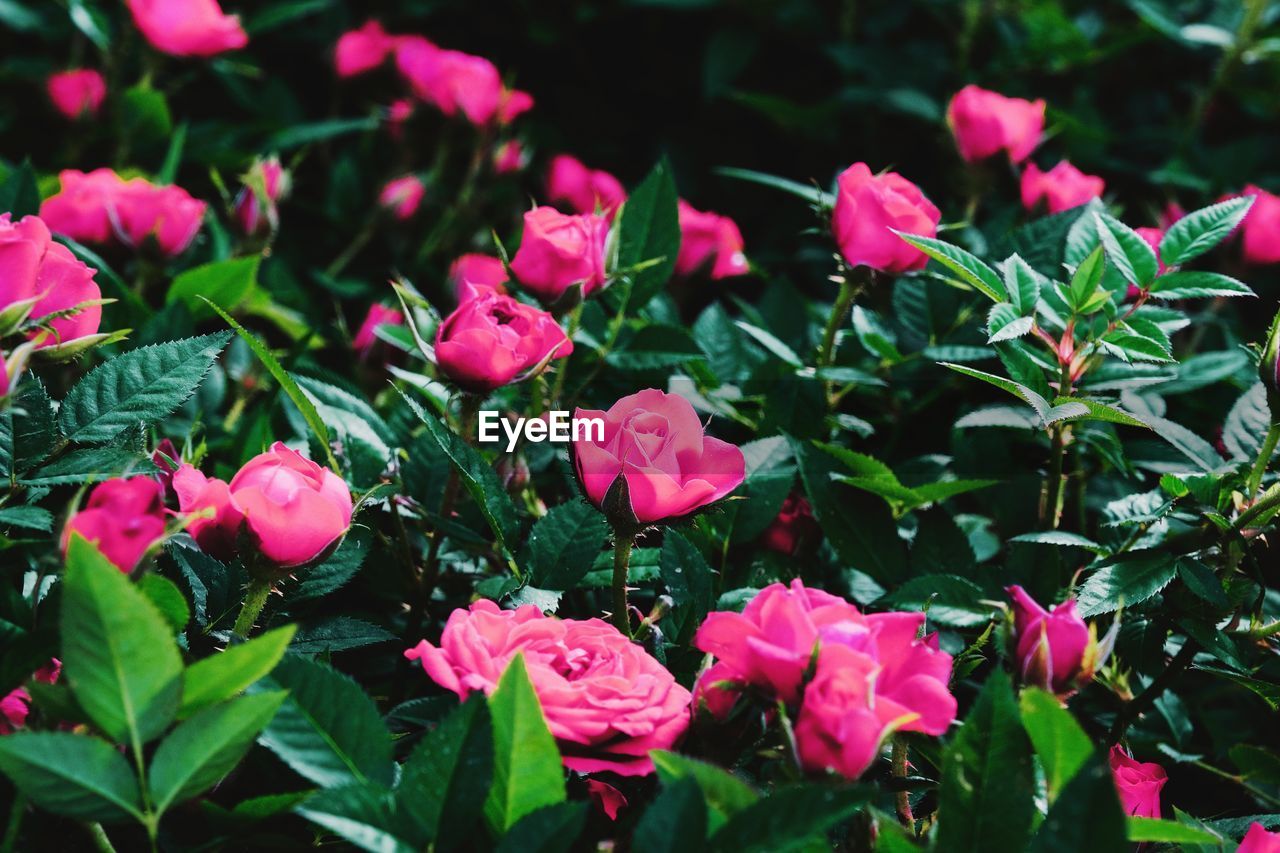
(709, 237)
(362, 50)
(869, 208)
(99, 206)
(1261, 227)
(514, 103)
(1054, 648)
(188, 27)
(1061, 188)
(34, 267)
(1138, 783)
(214, 521)
(584, 190)
(508, 157)
(492, 340)
(366, 338)
(402, 196)
(558, 251)
(1258, 840)
(77, 94)
(123, 518)
(451, 80)
(985, 123)
(478, 271)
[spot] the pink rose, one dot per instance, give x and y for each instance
(402, 196)
(15, 706)
(94, 207)
(584, 190)
(451, 80)
(985, 123)
(82, 208)
(1061, 188)
(366, 338)
(771, 644)
(33, 267)
(255, 210)
(1258, 840)
(558, 251)
(794, 526)
(654, 445)
(709, 237)
(868, 206)
(214, 521)
(398, 113)
(508, 157)
(492, 340)
(188, 27)
(123, 518)
(513, 104)
(1137, 783)
(77, 94)
(606, 701)
(606, 797)
(717, 690)
(1261, 227)
(1152, 236)
(294, 510)
(23, 245)
(362, 50)
(478, 271)
(1055, 650)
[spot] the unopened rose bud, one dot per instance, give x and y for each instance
(513, 471)
(1055, 649)
(264, 185)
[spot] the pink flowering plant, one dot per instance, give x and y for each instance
(726, 427)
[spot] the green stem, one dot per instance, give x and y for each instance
(100, 841)
(903, 798)
(621, 564)
(16, 814)
(1051, 506)
(1262, 462)
(575, 319)
(1266, 502)
(255, 598)
(1144, 700)
(470, 407)
(358, 242)
(839, 311)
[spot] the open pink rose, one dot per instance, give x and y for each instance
(294, 510)
(985, 123)
(558, 251)
(478, 271)
(1258, 840)
(82, 208)
(654, 444)
(1261, 227)
(15, 706)
(362, 50)
(77, 94)
(869, 208)
(123, 518)
(706, 236)
(451, 80)
(402, 196)
(34, 267)
(214, 521)
(256, 208)
(188, 27)
(492, 340)
(366, 338)
(1061, 188)
(583, 189)
(1138, 783)
(605, 699)
(99, 206)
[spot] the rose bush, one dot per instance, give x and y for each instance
(891, 404)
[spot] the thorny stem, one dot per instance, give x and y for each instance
(621, 564)
(255, 599)
(1144, 700)
(1262, 462)
(903, 797)
(849, 291)
(1051, 506)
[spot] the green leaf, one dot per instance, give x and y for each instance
(1191, 445)
(1201, 230)
(328, 730)
(1022, 392)
(1086, 279)
(447, 776)
(563, 544)
(206, 747)
(1132, 256)
(689, 580)
(771, 343)
(969, 267)
(1004, 324)
(108, 629)
(1130, 581)
(527, 774)
(1197, 285)
(20, 193)
(950, 600)
(76, 776)
(1141, 829)
(1098, 411)
(365, 815)
(1086, 816)
(550, 829)
(675, 822)
(224, 674)
(88, 464)
(145, 384)
(1022, 284)
(27, 517)
(790, 818)
(1060, 539)
(808, 192)
(305, 134)
(1062, 745)
(724, 793)
(649, 230)
(985, 799)
(228, 283)
(168, 599)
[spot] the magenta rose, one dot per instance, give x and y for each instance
(1061, 188)
(479, 271)
(513, 104)
(212, 519)
(44, 275)
(709, 237)
(402, 196)
(1138, 783)
(584, 190)
(492, 340)
(1258, 840)
(78, 93)
(366, 338)
(1260, 228)
(558, 251)
(188, 27)
(654, 444)
(15, 706)
(362, 50)
(82, 207)
(870, 208)
(451, 80)
(124, 518)
(793, 526)
(508, 157)
(256, 209)
(99, 206)
(1055, 650)
(604, 698)
(985, 123)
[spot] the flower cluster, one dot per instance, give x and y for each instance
(100, 207)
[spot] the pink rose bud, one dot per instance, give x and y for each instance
(1055, 650)
(295, 511)
(602, 722)
(188, 27)
(717, 691)
(584, 190)
(451, 80)
(709, 237)
(1061, 188)
(1138, 783)
(558, 251)
(1261, 227)
(794, 527)
(655, 462)
(1258, 840)
(1172, 213)
(492, 340)
(867, 208)
(513, 104)
(366, 338)
(478, 271)
(398, 114)
(123, 518)
(15, 706)
(402, 196)
(508, 157)
(985, 123)
(99, 206)
(77, 94)
(362, 50)
(255, 210)
(44, 274)
(167, 458)
(214, 521)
